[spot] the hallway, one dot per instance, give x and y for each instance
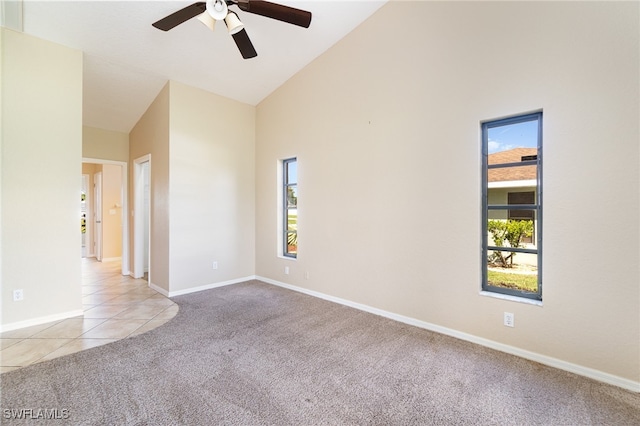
(115, 307)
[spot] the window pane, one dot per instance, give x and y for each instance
(514, 232)
(512, 144)
(504, 139)
(528, 197)
(292, 219)
(510, 174)
(523, 223)
(522, 214)
(292, 172)
(292, 196)
(292, 243)
(515, 271)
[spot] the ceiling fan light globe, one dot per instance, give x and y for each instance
(233, 23)
(206, 19)
(217, 9)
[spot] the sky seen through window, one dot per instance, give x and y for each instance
(518, 135)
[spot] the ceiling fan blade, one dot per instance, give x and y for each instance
(244, 44)
(280, 12)
(177, 18)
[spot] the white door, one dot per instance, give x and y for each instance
(97, 212)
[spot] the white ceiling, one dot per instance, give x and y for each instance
(127, 61)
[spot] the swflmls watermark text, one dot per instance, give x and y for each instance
(35, 414)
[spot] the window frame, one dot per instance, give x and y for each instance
(286, 184)
(537, 206)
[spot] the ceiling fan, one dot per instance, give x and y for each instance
(211, 11)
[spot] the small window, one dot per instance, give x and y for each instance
(512, 206)
(290, 210)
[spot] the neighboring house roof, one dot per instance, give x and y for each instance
(512, 173)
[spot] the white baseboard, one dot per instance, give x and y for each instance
(111, 259)
(200, 288)
(40, 320)
(160, 290)
(533, 356)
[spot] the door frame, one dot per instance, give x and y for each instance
(138, 217)
(89, 215)
(97, 216)
(125, 207)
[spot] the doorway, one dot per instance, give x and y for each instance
(141, 216)
(115, 208)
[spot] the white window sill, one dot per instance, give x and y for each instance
(287, 257)
(511, 298)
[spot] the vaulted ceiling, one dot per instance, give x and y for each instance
(127, 61)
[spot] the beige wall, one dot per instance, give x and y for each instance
(41, 157)
(104, 144)
(211, 188)
(111, 212)
(202, 187)
(3, 292)
(2, 60)
(386, 128)
(151, 136)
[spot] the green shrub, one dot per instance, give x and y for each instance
(510, 231)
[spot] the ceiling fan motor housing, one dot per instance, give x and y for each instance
(217, 9)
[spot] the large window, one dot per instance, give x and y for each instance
(512, 206)
(290, 210)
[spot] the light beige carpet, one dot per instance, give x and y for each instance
(254, 354)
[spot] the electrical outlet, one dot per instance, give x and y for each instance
(286, 270)
(18, 295)
(306, 275)
(215, 265)
(509, 319)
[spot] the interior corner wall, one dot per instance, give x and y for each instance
(386, 129)
(212, 189)
(151, 136)
(105, 144)
(41, 179)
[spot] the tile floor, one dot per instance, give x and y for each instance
(115, 307)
